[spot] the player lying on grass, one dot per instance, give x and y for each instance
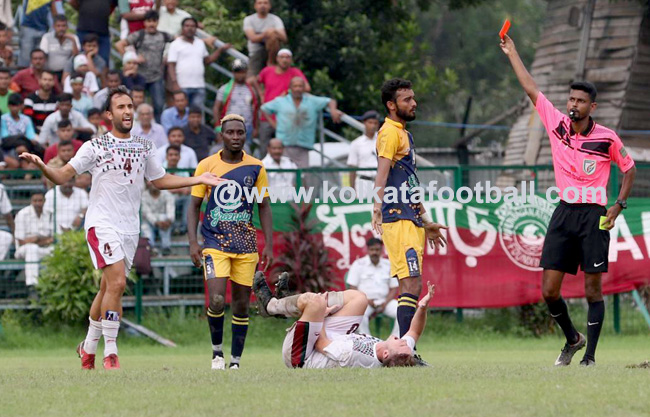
(324, 335)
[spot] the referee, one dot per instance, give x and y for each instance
(582, 151)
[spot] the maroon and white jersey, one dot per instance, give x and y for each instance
(119, 168)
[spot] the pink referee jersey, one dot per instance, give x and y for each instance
(581, 159)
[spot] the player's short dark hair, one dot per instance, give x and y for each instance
(36, 50)
(374, 241)
(63, 124)
(64, 97)
(195, 110)
(189, 18)
(390, 87)
(65, 143)
(587, 87)
(90, 37)
(15, 100)
(172, 129)
(117, 91)
(93, 111)
(152, 15)
(172, 147)
(60, 18)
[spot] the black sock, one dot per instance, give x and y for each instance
(406, 306)
(215, 321)
(239, 329)
(595, 318)
(560, 313)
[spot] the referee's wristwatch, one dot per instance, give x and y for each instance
(622, 203)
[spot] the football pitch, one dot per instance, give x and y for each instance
(469, 376)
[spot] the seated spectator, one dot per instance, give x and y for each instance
(5, 92)
(113, 80)
(371, 275)
(188, 156)
(95, 118)
(13, 146)
(218, 145)
(150, 44)
(6, 237)
(276, 160)
(198, 136)
(96, 64)
(130, 76)
(146, 127)
(6, 53)
(71, 206)
(14, 122)
(33, 237)
(84, 181)
(137, 95)
(93, 19)
(171, 18)
(28, 80)
(81, 101)
(81, 126)
(133, 12)
(275, 81)
(265, 32)
(59, 46)
(297, 116)
(238, 97)
(181, 195)
(177, 115)
(158, 213)
(42, 102)
(65, 134)
(65, 152)
(363, 154)
(80, 65)
(186, 61)
(33, 26)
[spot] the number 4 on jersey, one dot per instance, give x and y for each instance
(127, 165)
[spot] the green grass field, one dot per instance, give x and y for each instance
(472, 374)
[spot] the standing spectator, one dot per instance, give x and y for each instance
(6, 53)
(6, 238)
(276, 160)
(42, 102)
(32, 28)
(371, 275)
(81, 101)
(150, 44)
(93, 20)
(186, 61)
(275, 81)
(265, 33)
(177, 115)
(27, 81)
(59, 46)
(181, 195)
(113, 79)
(96, 63)
(33, 237)
(171, 18)
(297, 116)
(130, 76)
(158, 212)
(148, 128)
(80, 65)
(238, 97)
(95, 118)
(71, 206)
(81, 126)
(198, 136)
(5, 92)
(188, 156)
(133, 11)
(14, 122)
(363, 155)
(65, 135)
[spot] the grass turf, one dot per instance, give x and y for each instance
(486, 375)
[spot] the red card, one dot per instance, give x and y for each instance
(504, 29)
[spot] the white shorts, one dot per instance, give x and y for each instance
(299, 343)
(108, 246)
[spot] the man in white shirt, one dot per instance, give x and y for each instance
(6, 238)
(275, 160)
(324, 335)
(171, 17)
(146, 127)
(364, 155)
(158, 212)
(188, 156)
(33, 237)
(266, 34)
(186, 61)
(119, 164)
(71, 205)
(79, 123)
(371, 276)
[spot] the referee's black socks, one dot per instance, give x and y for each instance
(406, 306)
(595, 318)
(560, 313)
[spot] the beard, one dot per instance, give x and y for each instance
(121, 128)
(405, 116)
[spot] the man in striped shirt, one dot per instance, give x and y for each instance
(42, 102)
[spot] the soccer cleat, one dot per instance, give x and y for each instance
(234, 366)
(111, 362)
(218, 363)
(262, 293)
(419, 361)
(87, 359)
(282, 286)
(587, 362)
(569, 350)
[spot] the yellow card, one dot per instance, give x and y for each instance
(603, 223)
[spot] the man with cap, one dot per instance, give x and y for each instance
(130, 76)
(80, 100)
(238, 97)
(80, 65)
(272, 82)
(363, 155)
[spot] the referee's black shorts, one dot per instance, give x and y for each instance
(574, 238)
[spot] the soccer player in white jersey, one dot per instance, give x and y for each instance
(324, 335)
(119, 164)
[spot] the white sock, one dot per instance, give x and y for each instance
(93, 336)
(109, 330)
(287, 306)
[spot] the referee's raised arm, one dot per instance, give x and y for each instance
(525, 79)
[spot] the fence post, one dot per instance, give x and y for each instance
(138, 300)
(458, 182)
(617, 314)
